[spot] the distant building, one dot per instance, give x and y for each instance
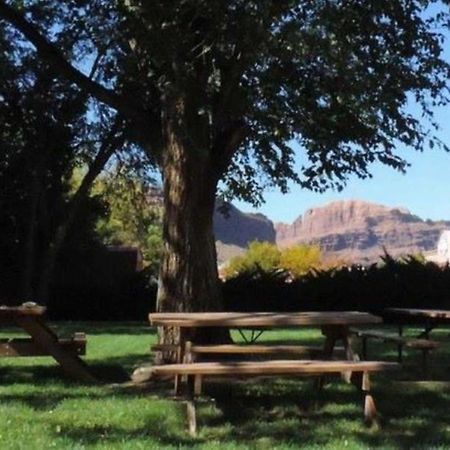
(442, 253)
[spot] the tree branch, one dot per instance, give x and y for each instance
(110, 144)
(227, 143)
(56, 59)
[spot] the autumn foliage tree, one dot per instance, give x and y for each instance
(217, 92)
(294, 261)
(300, 259)
(259, 256)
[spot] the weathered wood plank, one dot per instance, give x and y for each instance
(260, 368)
(249, 320)
(46, 339)
(437, 314)
(27, 347)
(257, 349)
(9, 314)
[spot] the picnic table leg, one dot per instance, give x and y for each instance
(349, 353)
(47, 340)
(400, 346)
(192, 386)
(364, 347)
(332, 334)
(184, 355)
(425, 353)
(362, 381)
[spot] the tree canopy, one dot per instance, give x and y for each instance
(45, 133)
(216, 93)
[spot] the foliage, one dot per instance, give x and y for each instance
(336, 76)
(300, 259)
(218, 92)
(262, 256)
(41, 120)
(266, 257)
(133, 214)
(47, 131)
(86, 293)
(405, 282)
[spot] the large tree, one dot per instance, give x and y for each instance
(216, 92)
(45, 131)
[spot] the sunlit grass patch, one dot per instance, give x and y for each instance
(40, 408)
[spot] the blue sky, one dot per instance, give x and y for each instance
(424, 189)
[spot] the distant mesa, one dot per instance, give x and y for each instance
(359, 231)
(350, 230)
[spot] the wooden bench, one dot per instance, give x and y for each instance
(424, 345)
(195, 373)
(13, 347)
(192, 351)
(274, 348)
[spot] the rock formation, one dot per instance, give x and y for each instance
(351, 230)
(234, 230)
(359, 231)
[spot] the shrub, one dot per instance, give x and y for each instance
(266, 257)
(300, 259)
(259, 256)
(407, 282)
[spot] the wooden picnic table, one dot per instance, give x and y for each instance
(43, 341)
(442, 315)
(334, 324)
(430, 318)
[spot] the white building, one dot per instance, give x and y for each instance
(442, 254)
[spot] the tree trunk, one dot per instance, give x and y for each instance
(25, 291)
(188, 279)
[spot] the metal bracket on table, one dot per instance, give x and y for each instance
(254, 336)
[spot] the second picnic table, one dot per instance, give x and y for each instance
(430, 318)
(42, 341)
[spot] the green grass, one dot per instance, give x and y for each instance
(41, 409)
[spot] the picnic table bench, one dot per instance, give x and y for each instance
(424, 345)
(192, 351)
(334, 326)
(195, 373)
(43, 341)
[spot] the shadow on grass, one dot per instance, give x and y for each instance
(411, 416)
(118, 369)
(115, 369)
(277, 413)
(153, 431)
(285, 412)
(104, 328)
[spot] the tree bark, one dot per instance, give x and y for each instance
(188, 279)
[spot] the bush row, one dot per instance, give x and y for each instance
(393, 283)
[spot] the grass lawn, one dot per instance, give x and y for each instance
(40, 409)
